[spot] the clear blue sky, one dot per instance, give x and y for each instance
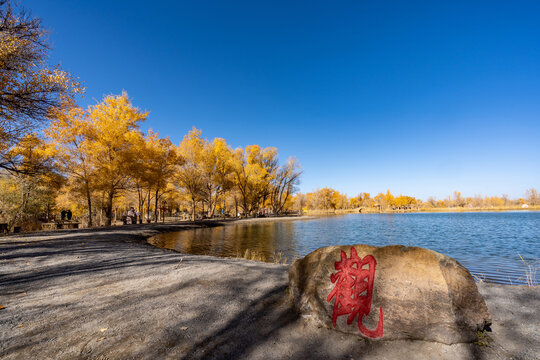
(422, 98)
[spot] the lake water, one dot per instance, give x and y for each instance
(489, 244)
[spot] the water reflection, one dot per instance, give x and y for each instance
(257, 241)
(488, 244)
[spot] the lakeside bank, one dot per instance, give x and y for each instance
(105, 293)
(371, 210)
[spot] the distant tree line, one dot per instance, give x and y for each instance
(329, 199)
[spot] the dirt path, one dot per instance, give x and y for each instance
(106, 294)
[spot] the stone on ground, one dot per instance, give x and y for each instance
(398, 293)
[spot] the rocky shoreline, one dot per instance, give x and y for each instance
(104, 293)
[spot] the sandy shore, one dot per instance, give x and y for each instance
(106, 294)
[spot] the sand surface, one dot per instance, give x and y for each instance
(106, 294)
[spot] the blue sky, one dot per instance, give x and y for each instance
(422, 98)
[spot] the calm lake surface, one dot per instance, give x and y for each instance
(487, 243)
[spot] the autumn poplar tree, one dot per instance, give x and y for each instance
(532, 196)
(31, 189)
(69, 131)
(253, 170)
(112, 132)
(216, 166)
(162, 160)
(189, 175)
(29, 87)
(283, 184)
(139, 170)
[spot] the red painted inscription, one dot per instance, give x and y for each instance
(354, 291)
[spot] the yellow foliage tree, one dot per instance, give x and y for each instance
(112, 132)
(253, 170)
(189, 175)
(29, 87)
(28, 194)
(216, 167)
(161, 159)
(69, 130)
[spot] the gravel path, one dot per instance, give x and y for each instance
(106, 294)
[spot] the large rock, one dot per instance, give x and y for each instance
(415, 293)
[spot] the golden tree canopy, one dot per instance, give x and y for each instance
(29, 87)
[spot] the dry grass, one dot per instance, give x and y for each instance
(255, 255)
(279, 258)
(481, 278)
(530, 271)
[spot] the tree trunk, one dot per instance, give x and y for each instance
(223, 209)
(89, 199)
(142, 200)
(246, 212)
(157, 192)
(148, 206)
(211, 208)
(108, 208)
(192, 209)
(22, 209)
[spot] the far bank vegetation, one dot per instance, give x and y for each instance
(328, 200)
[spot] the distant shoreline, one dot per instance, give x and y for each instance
(431, 210)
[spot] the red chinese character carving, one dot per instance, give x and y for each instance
(354, 290)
